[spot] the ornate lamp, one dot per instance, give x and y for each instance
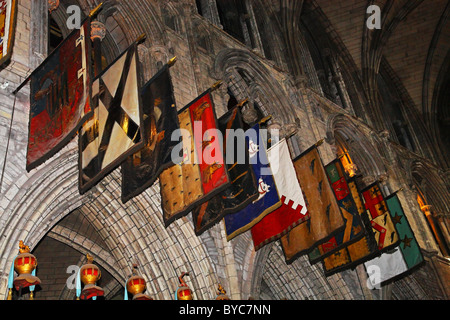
(89, 274)
(221, 293)
(25, 265)
(136, 286)
(348, 165)
(183, 291)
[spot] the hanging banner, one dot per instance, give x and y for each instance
(379, 217)
(358, 252)
(8, 17)
(243, 188)
(293, 210)
(140, 170)
(268, 198)
(59, 96)
(114, 132)
(202, 173)
(354, 227)
(325, 216)
(401, 259)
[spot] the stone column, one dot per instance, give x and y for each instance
(427, 210)
(98, 33)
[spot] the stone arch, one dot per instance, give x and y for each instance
(134, 230)
(170, 17)
(342, 129)
(430, 180)
(203, 40)
(433, 199)
(229, 60)
(297, 281)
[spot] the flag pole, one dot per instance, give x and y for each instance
(265, 119)
(216, 85)
(141, 38)
(95, 10)
(242, 103)
(319, 143)
(172, 61)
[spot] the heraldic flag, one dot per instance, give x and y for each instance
(354, 227)
(242, 189)
(114, 132)
(201, 173)
(405, 256)
(380, 220)
(140, 170)
(293, 210)
(325, 217)
(357, 252)
(59, 96)
(8, 16)
(268, 199)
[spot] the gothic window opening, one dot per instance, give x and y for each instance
(392, 108)
(199, 7)
(232, 15)
(55, 34)
(432, 222)
(170, 18)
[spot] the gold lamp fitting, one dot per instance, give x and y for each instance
(183, 291)
(221, 293)
(24, 264)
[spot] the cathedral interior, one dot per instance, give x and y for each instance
(375, 88)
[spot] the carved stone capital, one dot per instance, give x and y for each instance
(382, 178)
(98, 30)
(368, 180)
(53, 5)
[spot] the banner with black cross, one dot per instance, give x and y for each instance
(114, 132)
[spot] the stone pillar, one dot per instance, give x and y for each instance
(98, 33)
(442, 220)
(427, 210)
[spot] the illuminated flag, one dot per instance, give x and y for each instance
(293, 210)
(140, 170)
(201, 173)
(325, 217)
(405, 256)
(380, 220)
(358, 252)
(114, 132)
(381, 235)
(268, 199)
(243, 188)
(59, 96)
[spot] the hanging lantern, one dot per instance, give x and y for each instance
(136, 286)
(25, 264)
(348, 165)
(89, 275)
(221, 293)
(183, 292)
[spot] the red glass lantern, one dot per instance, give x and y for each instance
(136, 286)
(24, 264)
(183, 291)
(89, 275)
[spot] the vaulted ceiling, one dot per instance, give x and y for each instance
(414, 38)
(412, 47)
